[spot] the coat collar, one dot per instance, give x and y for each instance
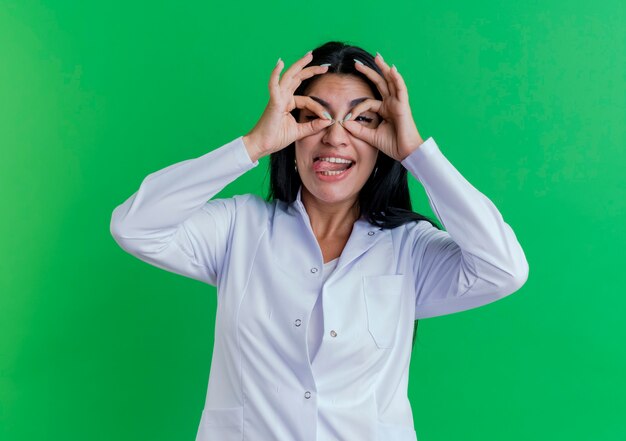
(364, 235)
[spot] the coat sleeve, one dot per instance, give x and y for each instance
(170, 223)
(477, 260)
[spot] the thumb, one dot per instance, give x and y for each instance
(314, 126)
(359, 131)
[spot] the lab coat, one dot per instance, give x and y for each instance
(264, 259)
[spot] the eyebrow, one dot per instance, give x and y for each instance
(353, 103)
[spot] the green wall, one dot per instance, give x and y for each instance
(526, 99)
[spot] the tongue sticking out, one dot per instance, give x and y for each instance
(329, 166)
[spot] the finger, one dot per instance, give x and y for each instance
(314, 126)
(309, 127)
(384, 67)
(369, 104)
(303, 75)
(370, 73)
(296, 67)
(401, 90)
(358, 130)
(306, 102)
(275, 76)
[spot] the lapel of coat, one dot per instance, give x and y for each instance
(363, 236)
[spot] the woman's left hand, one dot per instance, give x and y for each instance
(396, 135)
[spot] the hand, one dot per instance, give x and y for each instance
(396, 135)
(277, 128)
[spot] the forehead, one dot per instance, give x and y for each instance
(339, 88)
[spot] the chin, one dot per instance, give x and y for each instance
(332, 193)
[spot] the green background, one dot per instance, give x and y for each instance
(526, 100)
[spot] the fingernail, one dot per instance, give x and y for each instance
(347, 117)
(378, 55)
(393, 67)
(327, 115)
(308, 53)
(325, 64)
(278, 61)
(357, 61)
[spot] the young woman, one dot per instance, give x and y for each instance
(320, 285)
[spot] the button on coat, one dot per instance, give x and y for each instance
(265, 261)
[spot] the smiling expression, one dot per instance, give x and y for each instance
(332, 163)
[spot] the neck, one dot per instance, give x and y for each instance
(330, 219)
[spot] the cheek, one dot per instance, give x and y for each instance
(372, 157)
(302, 149)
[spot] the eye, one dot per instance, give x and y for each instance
(363, 118)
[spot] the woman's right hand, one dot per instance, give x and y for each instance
(277, 128)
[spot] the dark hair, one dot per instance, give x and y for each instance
(384, 199)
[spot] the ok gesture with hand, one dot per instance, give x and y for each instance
(277, 128)
(396, 135)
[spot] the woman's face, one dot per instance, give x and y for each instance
(329, 180)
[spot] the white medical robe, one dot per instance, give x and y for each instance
(268, 269)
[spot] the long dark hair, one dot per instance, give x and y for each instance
(384, 199)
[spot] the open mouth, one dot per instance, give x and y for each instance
(331, 166)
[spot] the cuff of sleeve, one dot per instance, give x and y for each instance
(421, 154)
(241, 154)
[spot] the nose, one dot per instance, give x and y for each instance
(336, 134)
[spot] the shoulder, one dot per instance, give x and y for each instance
(253, 203)
(414, 228)
(419, 226)
(417, 234)
(241, 207)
